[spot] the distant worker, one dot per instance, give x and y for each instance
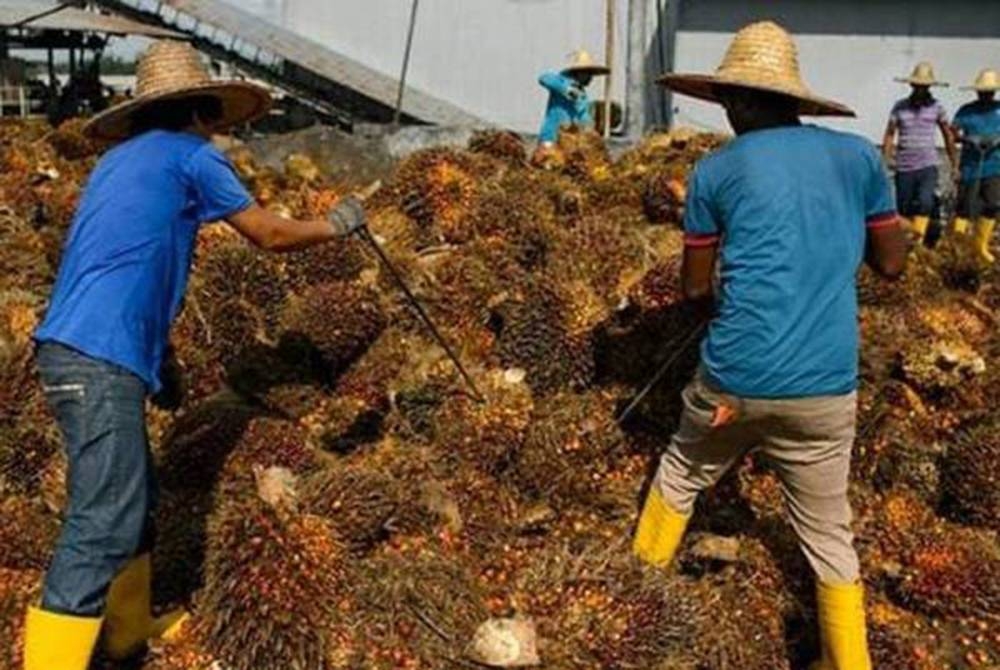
(788, 211)
(569, 103)
(978, 126)
(917, 119)
(101, 348)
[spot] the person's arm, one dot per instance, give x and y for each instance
(558, 84)
(886, 248)
(889, 142)
(273, 232)
(222, 197)
(698, 271)
(949, 139)
(702, 235)
(886, 244)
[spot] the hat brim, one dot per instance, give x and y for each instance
(922, 82)
(242, 102)
(707, 87)
(593, 70)
(982, 89)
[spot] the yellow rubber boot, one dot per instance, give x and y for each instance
(58, 641)
(919, 227)
(659, 531)
(984, 235)
(960, 226)
(842, 627)
(129, 623)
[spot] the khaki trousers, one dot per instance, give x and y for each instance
(808, 440)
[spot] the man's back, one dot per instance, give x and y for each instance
(791, 206)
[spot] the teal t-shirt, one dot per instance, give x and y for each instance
(568, 104)
(979, 119)
(126, 261)
(789, 208)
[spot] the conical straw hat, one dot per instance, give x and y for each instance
(171, 70)
(923, 75)
(988, 80)
(582, 61)
(763, 57)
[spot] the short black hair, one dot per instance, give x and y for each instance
(772, 100)
(176, 114)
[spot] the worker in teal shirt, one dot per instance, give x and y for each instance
(978, 127)
(103, 341)
(787, 212)
(568, 103)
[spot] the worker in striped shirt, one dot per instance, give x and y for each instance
(916, 120)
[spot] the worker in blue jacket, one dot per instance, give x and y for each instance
(102, 348)
(568, 100)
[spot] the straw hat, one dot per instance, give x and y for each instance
(763, 57)
(923, 75)
(582, 62)
(172, 70)
(988, 80)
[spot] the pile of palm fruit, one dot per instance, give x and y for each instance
(335, 496)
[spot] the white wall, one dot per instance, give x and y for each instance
(851, 53)
(482, 55)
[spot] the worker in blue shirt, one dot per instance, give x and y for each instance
(103, 340)
(568, 103)
(978, 127)
(788, 212)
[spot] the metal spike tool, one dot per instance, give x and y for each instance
(367, 236)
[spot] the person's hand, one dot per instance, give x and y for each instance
(348, 216)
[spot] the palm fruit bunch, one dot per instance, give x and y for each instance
(970, 473)
(336, 320)
(503, 144)
(532, 335)
(18, 590)
(273, 584)
(595, 607)
(585, 154)
(362, 505)
(333, 496)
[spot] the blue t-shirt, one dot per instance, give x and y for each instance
(789, 207)
(979, 119)
(568, 104)
(126, 261)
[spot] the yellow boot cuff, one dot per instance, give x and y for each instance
(58, 641)
(842, 627)
(659, 531)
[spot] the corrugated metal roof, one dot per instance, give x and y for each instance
(75, 20)
(320, 59)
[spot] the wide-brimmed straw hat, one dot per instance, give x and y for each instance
(171, 70)
(582, 62)
(762, 57)
(988, 80)
(922, 75)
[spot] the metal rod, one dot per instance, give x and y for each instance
(377, 248)
(406, 62)
(609, 55)
(41, 15)
(669, 363)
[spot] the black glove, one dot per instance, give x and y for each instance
(171, 395)
(348, 216)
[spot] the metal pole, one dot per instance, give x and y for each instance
(609, 55)
(406, 62)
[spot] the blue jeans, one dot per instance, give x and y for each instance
(915, 191)
(100, 409)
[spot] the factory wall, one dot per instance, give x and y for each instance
(482, 55)
(851, 50)
(485, 55)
